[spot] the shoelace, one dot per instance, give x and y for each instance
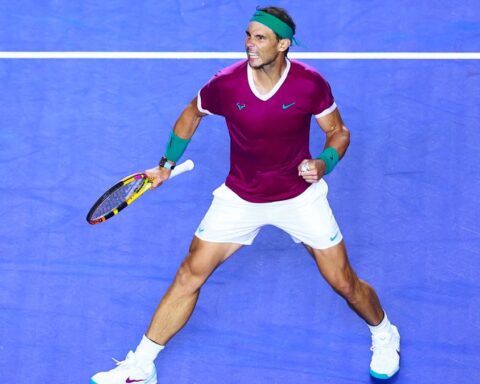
(125, 362)
(118, 362)
(129, 361)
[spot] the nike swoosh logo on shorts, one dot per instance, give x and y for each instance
(334, 237)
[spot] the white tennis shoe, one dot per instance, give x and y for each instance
(127, 372)
(386, 354)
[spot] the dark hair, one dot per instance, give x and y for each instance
(281, 14)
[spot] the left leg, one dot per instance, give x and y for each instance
(335, 267)
(309, 220)
(361, 297)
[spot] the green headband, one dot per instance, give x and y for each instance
(281, 28)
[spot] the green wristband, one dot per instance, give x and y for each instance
(330, 158)
(176, 147)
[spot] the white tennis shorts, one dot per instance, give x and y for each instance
(307, 218)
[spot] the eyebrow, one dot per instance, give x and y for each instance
(256, 34)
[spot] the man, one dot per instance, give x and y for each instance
(267, 101)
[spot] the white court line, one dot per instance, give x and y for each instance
(241, 55)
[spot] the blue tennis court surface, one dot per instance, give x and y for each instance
(406, 196)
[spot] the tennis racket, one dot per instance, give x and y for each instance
(126, 191)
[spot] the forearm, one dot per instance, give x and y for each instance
(183, 130)
(338, 138)
(336, 144)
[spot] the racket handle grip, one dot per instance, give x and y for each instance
(182, 167)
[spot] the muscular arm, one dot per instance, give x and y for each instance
(338, 137)
(184, 127)
(188, 121)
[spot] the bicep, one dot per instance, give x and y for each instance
(331, 123)
(196, 108)
(189, 119)
(192, 112)
(338, 136)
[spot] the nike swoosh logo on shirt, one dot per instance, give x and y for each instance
(241, 106)
(334, 237)
(286, 106)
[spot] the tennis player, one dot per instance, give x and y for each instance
(267, 101)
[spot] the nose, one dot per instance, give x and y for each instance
(250, 47)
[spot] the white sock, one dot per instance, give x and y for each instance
(383, 327)
(147, 351)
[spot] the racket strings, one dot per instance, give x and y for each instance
(117, 197)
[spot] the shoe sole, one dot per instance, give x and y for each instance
(383, 376)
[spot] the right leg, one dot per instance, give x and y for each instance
(178, 303)
(171, 314)
(229, 223)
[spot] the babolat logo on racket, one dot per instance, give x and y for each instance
(126, 191)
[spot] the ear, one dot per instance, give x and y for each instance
(284, 44)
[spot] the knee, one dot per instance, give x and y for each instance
(346, 287)
(187, 279)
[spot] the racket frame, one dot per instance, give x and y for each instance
(187, 165)
(144, 187)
